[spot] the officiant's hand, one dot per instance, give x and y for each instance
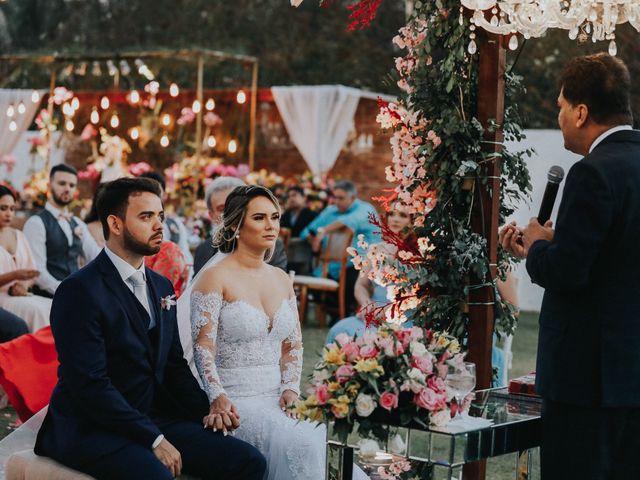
(26, 274)
(287, 400)
(534, 232)
(223, 415)
(169, 456)
(510, 237)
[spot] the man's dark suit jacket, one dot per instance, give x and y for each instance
(206, 250)
(305, 217)
(589, 343)
(113, 379)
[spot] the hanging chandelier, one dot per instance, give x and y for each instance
(531, 18)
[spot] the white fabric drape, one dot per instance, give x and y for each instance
(318, 120)
(8, 139)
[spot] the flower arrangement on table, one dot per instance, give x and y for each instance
(396, 370)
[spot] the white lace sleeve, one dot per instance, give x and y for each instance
(291, 358)
(205, 313)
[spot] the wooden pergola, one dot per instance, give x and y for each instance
(198, 56)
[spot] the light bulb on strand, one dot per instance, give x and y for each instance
(164, 141)
(166, 119)
(210, 105)
(134, 97)
(174, 91)
(135, 133)
(241, 97)
(196, 107)
(104, 103)
(95, 116)
(115, 121)
(232, 147)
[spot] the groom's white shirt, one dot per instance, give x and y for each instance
(125, 269)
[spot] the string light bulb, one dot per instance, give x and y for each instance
(13, 126)
(21, 108)
(174, 91)
(69, 125)
(67, 109)
(241, 97)
(134, 97)
(232, 147)
(95, 116)
(11, 111)
(115, 121)
(35, 96)
(196, 107)
(104, 103)
(211, 104)
(75, 103)
(211, 141)
(164, 141)
(166, 119)
(135, 133)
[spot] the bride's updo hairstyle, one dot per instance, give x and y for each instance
(235, 210)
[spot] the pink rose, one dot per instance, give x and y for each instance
(427, 399)
(344, 373)
(389, 400)
(342, 339)
(423, 363)
(351, 351)
(322, 394)
(88, 132)
(404, 336)
(386, 344)
(368, 351)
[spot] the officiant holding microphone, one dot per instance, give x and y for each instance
(588, 364)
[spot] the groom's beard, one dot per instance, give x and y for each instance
(136, 246)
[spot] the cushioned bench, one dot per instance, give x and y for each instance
(26, 465)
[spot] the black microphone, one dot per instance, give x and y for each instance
(554, 177)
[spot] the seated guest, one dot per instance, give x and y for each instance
(174, 229)
(348, 211)
(11, 326)
(57, 238)
(297, 215)
(93, 222)
(170, 263)
(215, 197)
(17, 269)
(369, 295)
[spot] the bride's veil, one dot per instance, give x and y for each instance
(184, 313)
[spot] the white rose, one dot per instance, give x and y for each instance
(320, 375)
(365, 405)
(368, 447)
(441, 418)
(416, 376)
(397, 445)
(418, 349)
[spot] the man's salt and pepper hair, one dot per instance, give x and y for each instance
(235, 210)
(221, 184)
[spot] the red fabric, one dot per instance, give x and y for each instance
(28, 371)
(170, 262)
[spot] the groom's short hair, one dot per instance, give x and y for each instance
(113, 199)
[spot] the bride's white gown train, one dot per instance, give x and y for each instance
(252, 358)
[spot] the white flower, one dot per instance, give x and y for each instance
(418, 349)
(441, 418)
(320, 376)
(368, 447)
(365, 405)
(167, 302)
(397, 445)
(416, 376)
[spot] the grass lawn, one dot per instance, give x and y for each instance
(524, 356)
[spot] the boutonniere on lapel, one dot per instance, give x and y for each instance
(167, 302)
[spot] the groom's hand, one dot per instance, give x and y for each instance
(169, 456)
(223, 415)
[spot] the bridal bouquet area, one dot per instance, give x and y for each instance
(389, 376)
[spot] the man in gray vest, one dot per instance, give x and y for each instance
(58, 238)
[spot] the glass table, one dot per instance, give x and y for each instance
(514, 426)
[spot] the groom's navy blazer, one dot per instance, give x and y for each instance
(589, 343)
(115, 381)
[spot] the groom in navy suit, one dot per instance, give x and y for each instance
(588, 367)
(126, 404)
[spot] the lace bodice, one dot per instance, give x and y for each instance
(240, 351)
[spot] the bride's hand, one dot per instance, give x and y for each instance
(223, 415)
(287, 399)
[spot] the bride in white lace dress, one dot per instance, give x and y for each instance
(248, 344)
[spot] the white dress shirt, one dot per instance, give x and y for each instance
(604, 135)
(125, 269)
(37, 236)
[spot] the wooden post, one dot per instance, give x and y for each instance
(199, 97)
(50, 104)
(252, 117)
(486, 216)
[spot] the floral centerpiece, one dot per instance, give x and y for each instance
(396, 370)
